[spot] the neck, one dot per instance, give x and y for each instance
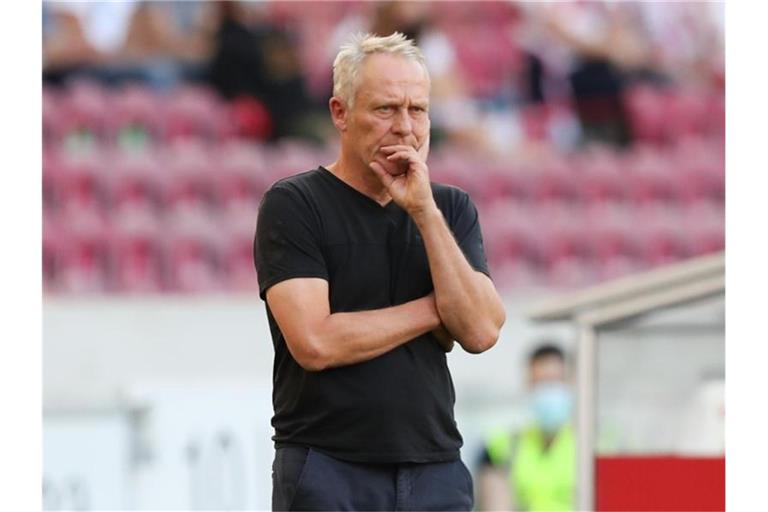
(357, 175)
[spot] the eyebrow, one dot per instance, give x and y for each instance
(393, 102)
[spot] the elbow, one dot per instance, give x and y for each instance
(486, 337)
(312, 364)
(309, 355)
(481, 341)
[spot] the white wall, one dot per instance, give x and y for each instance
(155, 377)
(135, 387)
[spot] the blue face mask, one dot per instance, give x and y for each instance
(551, 403)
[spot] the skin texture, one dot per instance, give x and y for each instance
(384, 147)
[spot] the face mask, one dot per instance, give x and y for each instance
(551, 404)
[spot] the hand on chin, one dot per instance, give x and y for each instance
(393, 168)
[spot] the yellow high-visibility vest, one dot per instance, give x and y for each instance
(540, 480)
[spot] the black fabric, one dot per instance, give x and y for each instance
(397, 407)
(306, 479)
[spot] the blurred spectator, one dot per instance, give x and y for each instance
(584, 50)
(534, 469)
(687, 41)
(115, 42)
(256, 59)
(594, 51)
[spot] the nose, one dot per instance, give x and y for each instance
(401, 123)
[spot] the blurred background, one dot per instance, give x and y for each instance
(590, 135)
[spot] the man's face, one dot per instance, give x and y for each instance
(551, 399)
(391, 107)
(546, 369)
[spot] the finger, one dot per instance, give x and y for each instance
(402, 155)
(397, 147)
(384, 176)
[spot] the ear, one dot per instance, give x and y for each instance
(339, 113)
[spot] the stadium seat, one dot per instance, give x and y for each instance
(196, 112)
(137, 259)
(150, 214)
(80, 183)
(84, 257)
(189, 174)
(85, 114)
(136, 120)
(193, 267)
(238, 262)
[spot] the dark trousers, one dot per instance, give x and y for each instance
(306, 479)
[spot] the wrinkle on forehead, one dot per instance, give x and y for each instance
(416, 86)
(396, 93)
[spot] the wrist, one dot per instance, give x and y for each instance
(426, 214)
(433, 320)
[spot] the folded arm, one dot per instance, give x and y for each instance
(466, 299)
(318, 339)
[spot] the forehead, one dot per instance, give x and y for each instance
(385, 75)
(547, 368)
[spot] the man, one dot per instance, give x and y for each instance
(534, 469)
(370, 273)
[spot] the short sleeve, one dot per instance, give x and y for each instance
(286, 244)
(465, 225)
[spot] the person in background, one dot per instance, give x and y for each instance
(118, 42)
(534, 469)
(254, 58)
(589, 52)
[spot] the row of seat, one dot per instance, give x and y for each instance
(189, 250)
(663, 115)
(136, 117)
(186, 264)
(241, 172)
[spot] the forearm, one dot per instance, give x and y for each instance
(493, 490)
(466, 301)
(347, 338)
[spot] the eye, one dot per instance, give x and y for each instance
(384, 108)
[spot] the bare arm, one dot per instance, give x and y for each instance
(466, 299)
(468, 304)
(319, 340)
(493, 491)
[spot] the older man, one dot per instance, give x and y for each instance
(370, 272)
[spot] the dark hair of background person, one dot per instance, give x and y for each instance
(546, 349)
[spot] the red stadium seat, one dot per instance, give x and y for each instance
(241, 175)
(195, 112)
(85, 116)
(80, 182)
(84, 252)
(238, 261)
(193, 267)
(192, 243)
(137, 258)
(54, 117)
(136, 120)
(189, 169)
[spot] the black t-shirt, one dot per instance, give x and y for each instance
(397, 407)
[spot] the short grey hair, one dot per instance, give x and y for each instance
(349, 60)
